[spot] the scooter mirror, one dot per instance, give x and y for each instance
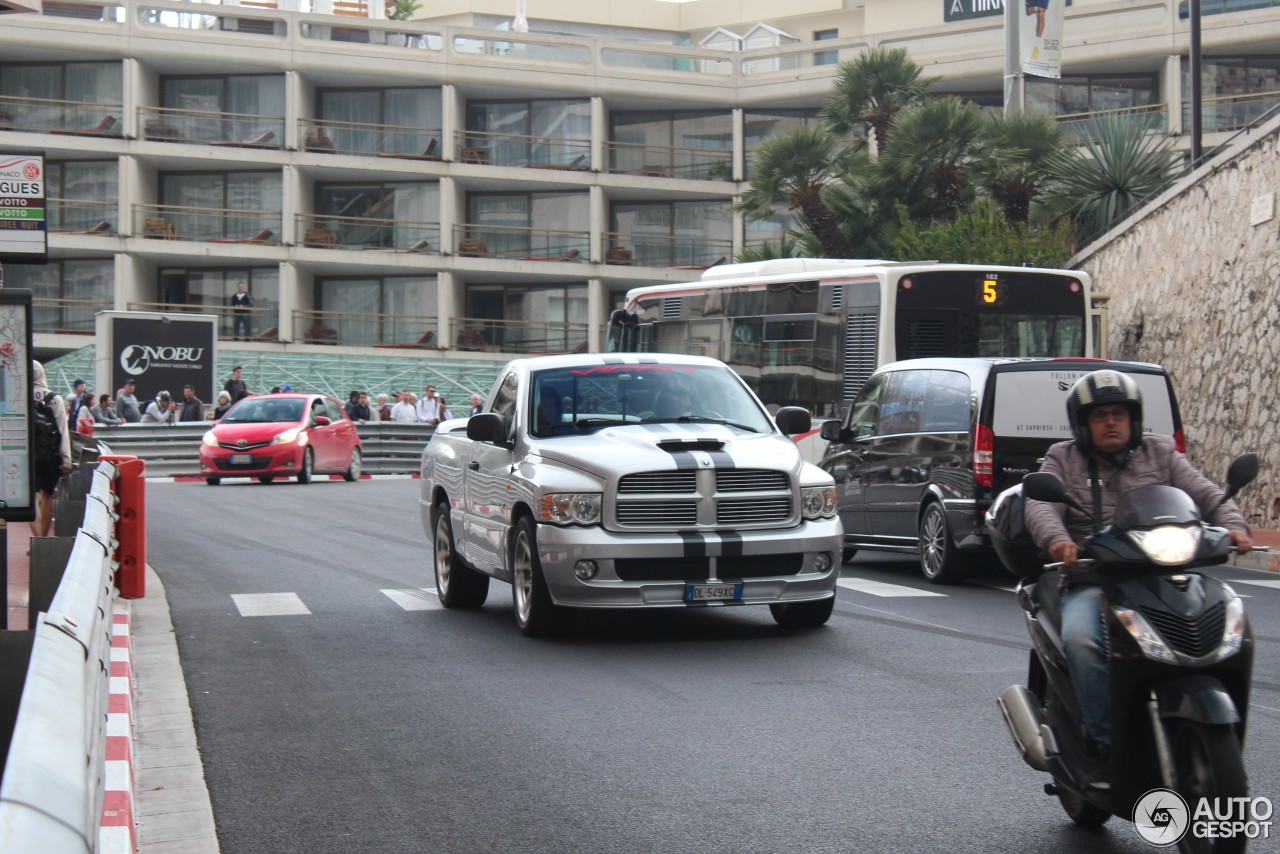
(1241, 472)
(1047, 486)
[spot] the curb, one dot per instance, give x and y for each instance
(117, 833)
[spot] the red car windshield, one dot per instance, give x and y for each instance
(265, 411)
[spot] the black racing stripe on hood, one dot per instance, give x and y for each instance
(730, 544)
(721, 460)
(684, 460)
(695, 545)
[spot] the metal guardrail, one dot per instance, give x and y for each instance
(52, 790)
(390, 447)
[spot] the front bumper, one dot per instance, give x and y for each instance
(270, 459)
(560, 548)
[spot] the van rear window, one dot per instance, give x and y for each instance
(1034, 403)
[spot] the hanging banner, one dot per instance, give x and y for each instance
(1040, 38)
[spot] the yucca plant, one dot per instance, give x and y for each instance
(1120, 163)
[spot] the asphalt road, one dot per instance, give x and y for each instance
(342, 720)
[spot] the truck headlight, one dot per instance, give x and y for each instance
(1168, 545)
(570, 508)
(1152, 645)
(818, 502)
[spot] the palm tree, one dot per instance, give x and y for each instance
(939, 147)
(1013, 181)
(1119, 165)
(794, 169)
(872, 89)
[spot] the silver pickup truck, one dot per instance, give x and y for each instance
(624, 481)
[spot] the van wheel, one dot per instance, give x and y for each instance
(939, 560)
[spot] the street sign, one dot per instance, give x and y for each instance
(23, 226)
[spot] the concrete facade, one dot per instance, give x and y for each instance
(1194, 282)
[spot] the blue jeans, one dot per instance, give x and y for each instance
(1084, 637)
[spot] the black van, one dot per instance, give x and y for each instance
(928, 443)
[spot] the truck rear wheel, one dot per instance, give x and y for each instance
(536, 615)
(457, 586)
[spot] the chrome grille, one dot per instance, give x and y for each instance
(682, 514)
(749, 480)
(744, 511)
(659, 481)
(239, 448)
(1197, 636)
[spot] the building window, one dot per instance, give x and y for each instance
(526, 319)
(82, 195)
(1222, 7)
(381, 121)
(547, 132)
(826, 57)
(382, 215)
(371, 310)
(223, 205)
(1076, 94)
(540, 226)
(673, 234)
(67, 293)
(759, 125)
(1236, 90)
(62, 96)
(183, 288)
(687, 144)
(234, 108)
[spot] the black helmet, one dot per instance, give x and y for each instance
(1099, 388)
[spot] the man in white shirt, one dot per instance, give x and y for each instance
(405, 409)
(429, 406)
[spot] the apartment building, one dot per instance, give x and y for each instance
(455, 184)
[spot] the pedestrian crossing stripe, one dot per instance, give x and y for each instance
(880, 588)
(415, 598)
(1262, 582)
(269, 604)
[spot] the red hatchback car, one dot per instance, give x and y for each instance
(281, 435)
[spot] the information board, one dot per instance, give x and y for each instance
(24, 236)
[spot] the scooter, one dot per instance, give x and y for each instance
(1180, 655)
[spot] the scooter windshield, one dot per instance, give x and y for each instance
(1149, 506)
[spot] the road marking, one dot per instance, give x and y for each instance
(415, 598)
(269, 604)
(879, 588)
(1273, 584)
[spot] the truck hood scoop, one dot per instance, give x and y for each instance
(672, 446)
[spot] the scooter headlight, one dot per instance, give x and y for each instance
(1152, 645)
(1233, 635)
(1168, 545)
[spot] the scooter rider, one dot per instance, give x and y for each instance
(1108, 456)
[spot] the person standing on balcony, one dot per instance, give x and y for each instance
(241, 302)
(127, 403)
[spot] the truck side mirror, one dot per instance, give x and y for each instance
(832, 431)
(793, 419)
(487, 427)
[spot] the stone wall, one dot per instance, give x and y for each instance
(1194, 282)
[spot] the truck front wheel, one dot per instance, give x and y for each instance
(457, 585)
(536, 614)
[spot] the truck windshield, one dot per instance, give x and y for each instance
(574, 399)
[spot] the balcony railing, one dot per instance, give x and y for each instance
(212, 225)
(365, 329)
(1224, 113)
(66, 316)
(80, 216)
(263, 322)
(208, 127)
(651, 250)
(1148, 118)
(536, 152)
(363, 139)
(519, 336)
(662, 161)
(319, 231)
(72, 118)
(525, 244)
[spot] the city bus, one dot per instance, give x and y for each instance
(809, 331)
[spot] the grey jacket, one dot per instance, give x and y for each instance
(1155, 461)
